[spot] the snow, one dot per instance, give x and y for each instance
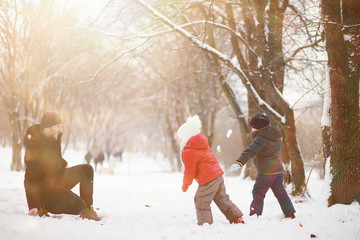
(326, 118)
(143, 200)
(218, 148)
(228, 134)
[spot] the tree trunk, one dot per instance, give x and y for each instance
(339, 18)
(326, 126)
(16, 143)
(268, 75)
(326, 146)
(229, 93)
(174, 144)
(250, 169)
(16, 164)
(291, 155)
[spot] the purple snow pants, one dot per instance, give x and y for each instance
(262, 185)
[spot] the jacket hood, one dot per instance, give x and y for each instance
(198, 142)
(190, 128)
(270, 132)
(33, 136)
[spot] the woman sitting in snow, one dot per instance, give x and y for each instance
(201, 164)
(48, 181)
(267, 147)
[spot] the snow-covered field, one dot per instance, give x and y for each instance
(143, 200)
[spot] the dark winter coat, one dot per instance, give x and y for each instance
(199, 161)
(267, 147)
(44, 165)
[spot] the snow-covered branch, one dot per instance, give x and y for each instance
(237, 34)
(342, 25)
(224, 58)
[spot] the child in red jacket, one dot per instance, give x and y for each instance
(201, 164)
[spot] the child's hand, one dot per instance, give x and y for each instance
(235, 167)
(184, 188)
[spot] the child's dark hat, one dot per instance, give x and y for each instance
(259, 120)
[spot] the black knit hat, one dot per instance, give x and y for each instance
(49, 119)
(259, 120)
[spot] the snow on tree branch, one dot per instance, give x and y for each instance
(237, 34)
(224, 58)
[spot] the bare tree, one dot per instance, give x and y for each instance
(170, 88)
(14, 73)
(38, 64)
(264, 65)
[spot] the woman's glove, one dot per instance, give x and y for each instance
(235, 167)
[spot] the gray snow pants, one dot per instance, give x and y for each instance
(214, 191)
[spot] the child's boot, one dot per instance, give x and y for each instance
(240, 220)
(291, 215)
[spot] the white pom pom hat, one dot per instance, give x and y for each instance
(190, 128)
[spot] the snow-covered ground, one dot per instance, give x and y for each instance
(143, 200)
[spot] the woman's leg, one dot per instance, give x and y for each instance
(83, 174)
(62, 200)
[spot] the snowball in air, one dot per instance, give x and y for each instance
(218, 148)
(229, 132)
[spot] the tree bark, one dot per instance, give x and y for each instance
(326, 126)
(292, 152)
(326, 146)
(339, 20)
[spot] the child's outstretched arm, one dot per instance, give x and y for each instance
(255, 147)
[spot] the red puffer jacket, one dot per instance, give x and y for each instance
(200, 162)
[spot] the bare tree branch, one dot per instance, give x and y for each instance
(224, 58)
(112, 61)
(302, 48)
